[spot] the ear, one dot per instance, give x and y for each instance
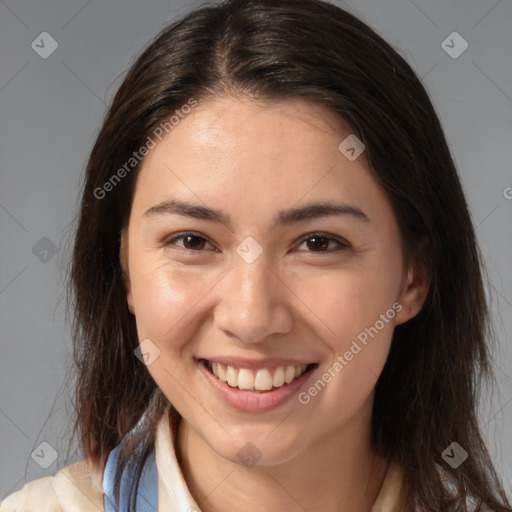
(415, 287)
(123, 257)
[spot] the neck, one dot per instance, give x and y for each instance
(338, 472)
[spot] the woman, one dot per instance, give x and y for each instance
(278, 293)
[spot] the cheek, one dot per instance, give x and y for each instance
(169, 307)
(358, 313)
(346, 302)
(358, 351)
(361, 321)
(167, 303)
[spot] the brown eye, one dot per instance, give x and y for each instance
(323, 243)
(191, 241)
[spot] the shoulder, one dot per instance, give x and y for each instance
(73, 488)
(35, 495)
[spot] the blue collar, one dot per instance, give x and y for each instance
(135, 494)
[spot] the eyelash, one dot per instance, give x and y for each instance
(343, 244)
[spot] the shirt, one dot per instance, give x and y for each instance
(162, 488)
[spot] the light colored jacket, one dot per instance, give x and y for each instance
(78, 488)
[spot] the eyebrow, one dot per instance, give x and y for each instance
(284, 217)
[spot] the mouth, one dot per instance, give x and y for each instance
(257, 380)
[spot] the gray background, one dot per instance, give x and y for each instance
(51, 110)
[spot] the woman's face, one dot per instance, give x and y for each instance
(270, 284)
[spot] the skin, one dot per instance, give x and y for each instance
(252, 160)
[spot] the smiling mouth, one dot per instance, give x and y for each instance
(261, 380)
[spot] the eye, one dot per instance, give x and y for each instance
(315, 242)
(191, 241)
(319, 242)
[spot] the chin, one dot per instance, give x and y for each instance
(256, 448)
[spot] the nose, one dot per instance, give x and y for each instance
(253, 302)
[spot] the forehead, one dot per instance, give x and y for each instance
(252, 131)
(253, 156)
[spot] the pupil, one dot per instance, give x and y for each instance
(192, 237)
(318, 243)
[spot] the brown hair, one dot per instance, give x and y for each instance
(427, 393)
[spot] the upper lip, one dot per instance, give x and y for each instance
(255, 364)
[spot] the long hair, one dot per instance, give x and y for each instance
(426, 396)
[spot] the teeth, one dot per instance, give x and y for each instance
(221, 371)
(245, 379)
(232, 376)
(278, 377)
(261, 380)
(289, 374)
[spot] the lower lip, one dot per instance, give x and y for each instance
(253, 401)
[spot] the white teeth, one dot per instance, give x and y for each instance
(278, 377)
(289, 374)
(220, 370)
(245, 379)
(232, 376)
(261, 380)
